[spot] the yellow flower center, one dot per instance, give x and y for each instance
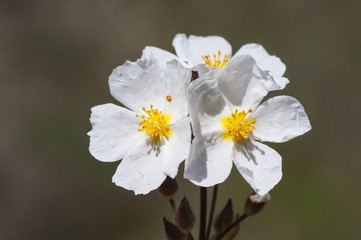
(216, 62)
(155, 124)
(237, 126)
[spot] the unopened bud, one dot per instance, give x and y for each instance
(184, 217)
(172, 232)
(224, 218)
(195, 75)
(168, 188)
(255, 203)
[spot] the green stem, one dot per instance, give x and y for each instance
(202, 225)
(213, 205)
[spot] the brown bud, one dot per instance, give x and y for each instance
(255, 203)
(172, 232)
(194, 75)
(184, 217)
(168, 188)
(224, 218)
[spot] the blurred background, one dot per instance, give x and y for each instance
(55, 59)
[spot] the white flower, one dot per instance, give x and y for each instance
(229, 124)
(216, 51)
(152, 136)
(210, 53)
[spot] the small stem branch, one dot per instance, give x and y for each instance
(213, 205)
(190, 236)
(202, 225)
(172, 204)
(235, 223)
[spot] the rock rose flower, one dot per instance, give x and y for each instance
(230, 125)
(215, 52)
(152, 134)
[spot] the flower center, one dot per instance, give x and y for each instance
(216, 62)
(237, 126)
(155, 124)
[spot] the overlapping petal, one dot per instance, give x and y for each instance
(141, 169)
(260, 165)
(192, 49)
(177, 147)
(269, 63)
(242, 83)
(114, 132)
(161, 55)
(177, 78)
(280, 119)
(139, 84)
(210, 160)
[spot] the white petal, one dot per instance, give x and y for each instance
(210, 161)
(242, 83)
(176, 149)
(272, 64)
(206, 106)
(280, 119)
(114, 134)
(193, 48)
(141, 170)
(161, 55)
(260, 165)
(139, 84)
(177, 78)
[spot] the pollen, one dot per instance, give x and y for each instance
(169, 98)
(238, 126)
(216, 62)
(155, 124)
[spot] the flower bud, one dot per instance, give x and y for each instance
(255, 203)
(224, 218)
(168, 188)
(184, 217)
(172, 232)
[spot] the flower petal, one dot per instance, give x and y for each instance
(272, 64)
(280, 119)
(176, 149)
(139, 84)
(177, 78)
(242, 83)
(114, 133)
(193, 48)
(141, 170)
(206, 105)
(260, 165)
(210, 160)
(161, 55)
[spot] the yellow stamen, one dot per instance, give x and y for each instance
(217, 63)
(155, 124)
(237, 126)
(169, 98)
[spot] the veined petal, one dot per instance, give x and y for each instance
(177, 78)
(206, 105)
(176, 148)
(242, 83)
(139, 84)
(141, 170)
(210, 160)
(269, 63)
(260, 165)
(114, 134)
(280, 119)
(193, 48)
(161, 55)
